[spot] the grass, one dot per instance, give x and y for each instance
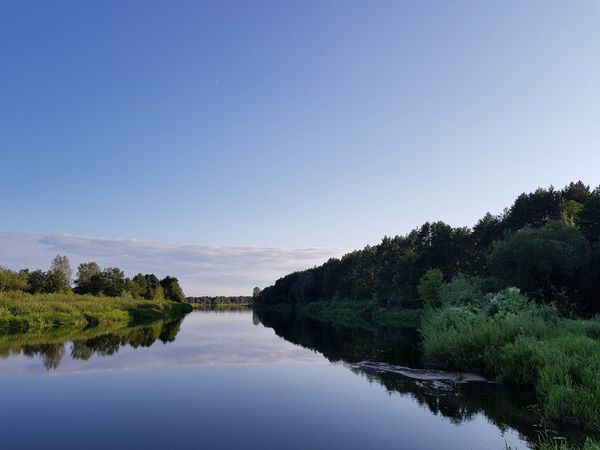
(547, 442)
(26, 312)
(560, 358)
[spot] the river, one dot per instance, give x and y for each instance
(226, 380)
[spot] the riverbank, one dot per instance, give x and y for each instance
(25, 312)
(505, 337)
(519, 342)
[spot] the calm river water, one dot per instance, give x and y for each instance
(225, 380)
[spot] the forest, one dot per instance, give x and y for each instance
(515, 298)
(546, 244)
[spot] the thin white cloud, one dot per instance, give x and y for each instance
(201, 269)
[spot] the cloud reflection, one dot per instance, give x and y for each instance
(204, 339)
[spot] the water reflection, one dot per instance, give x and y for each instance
(216, 369)
(84, 344)
(203, 338)
(457, 401)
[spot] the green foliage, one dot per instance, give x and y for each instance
(85, 272)
(220, 301)
(569, 381)
(534, 210)
(22, 312)
(521, 361)
(146, 286)
(577, 192)
(461, 291)
(109, 282)
(569, 211)
(548, 442)
(429, 288)
(546, 247)
(542, 244)
(61, 269)
(588, 218)
(46, 282)
(13, 281)
(547, 262)
(523, 343)
(172, 289)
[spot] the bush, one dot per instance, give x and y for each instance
(12, 281)
(461, 291)
(429, 288)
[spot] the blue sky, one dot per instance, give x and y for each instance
(289, 124)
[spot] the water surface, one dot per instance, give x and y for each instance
(225, 380)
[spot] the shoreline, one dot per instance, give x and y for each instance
(21, 312)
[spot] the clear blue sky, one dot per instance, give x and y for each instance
(289, 123)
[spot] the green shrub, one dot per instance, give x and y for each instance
(461, 291)
(429, 288)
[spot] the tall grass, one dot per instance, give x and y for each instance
(546, 442)
(521, 343)
(22, 312)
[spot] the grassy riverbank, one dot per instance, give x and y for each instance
(23, 312)
(550, 443)
(504, 336)
(519, 342)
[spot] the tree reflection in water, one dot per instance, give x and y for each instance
(85, 344)
(505, 407)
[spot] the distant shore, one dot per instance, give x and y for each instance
(204, 306)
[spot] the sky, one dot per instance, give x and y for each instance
(287, 131)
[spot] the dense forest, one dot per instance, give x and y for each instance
(546, 244)
(92, 280)
(507, 299)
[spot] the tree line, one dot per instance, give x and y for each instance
(209, 301)
(91, 279)
(547, 244)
